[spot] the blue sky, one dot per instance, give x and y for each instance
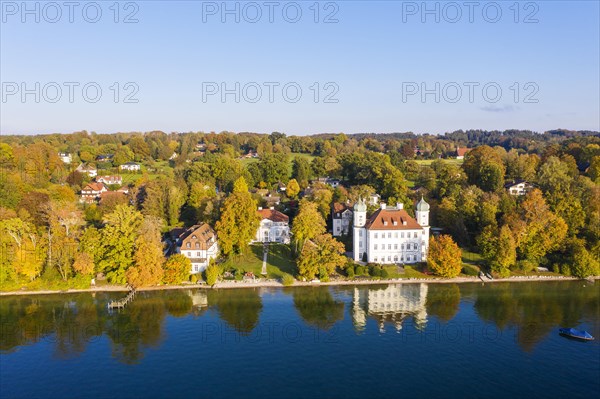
(369, 69)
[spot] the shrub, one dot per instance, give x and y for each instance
(565, 269)
(287, 280)
(360, 270)
(384, 273)
(375, 271)
(211, 274)
(350, 271)
(193, 278)
(470, 270)
(527, 265)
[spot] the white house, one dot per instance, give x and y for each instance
(110, 180)
(390, 305)
(92, 192)
(274, 226)
(88, 170)
(341, 215)
(130, 166)
(391, 235)
(65, 157)
(518, 187)
(199, 244)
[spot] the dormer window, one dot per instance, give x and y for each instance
(197, 245)
(188, 245)
(385, 223)
(395, 223)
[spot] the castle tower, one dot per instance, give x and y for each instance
(422, 216)
(359, 236)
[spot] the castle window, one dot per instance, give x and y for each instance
(375, 246)
(389, 258)
(395, 246)
(396, 258)
(415, 235)
(402, 235)
(198, 254)
(389, 235)
(375, 259)
(197, 245)
(376, 235)
(360, 233)
(396, 234)
(389, 246)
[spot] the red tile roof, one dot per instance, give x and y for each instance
(391, 219)
(461, 152)
(273, 215)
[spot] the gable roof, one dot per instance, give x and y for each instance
(94, 186)
(384, 219)
(339, 207)
(201, 234)
(515, 182)
(461, 152)
(273, 215)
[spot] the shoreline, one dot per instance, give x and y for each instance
(277, 284)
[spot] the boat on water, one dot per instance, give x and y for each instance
(574, 333)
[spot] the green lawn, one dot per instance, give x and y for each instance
(471, 257)
(279, 261)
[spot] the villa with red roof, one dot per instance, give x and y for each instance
(274, 226)
(390, 235)
(461, 152)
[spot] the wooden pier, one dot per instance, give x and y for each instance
(122, 302)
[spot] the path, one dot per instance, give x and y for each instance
(265, 254)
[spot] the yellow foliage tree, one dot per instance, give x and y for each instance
(445, 257)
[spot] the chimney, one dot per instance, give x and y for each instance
(399, 205)
(271, 207)
(260, 208)
(382, 205)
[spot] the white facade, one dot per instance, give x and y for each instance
(518, 188)
(130, 166)
(341, 217)
(65, 157)
(390, 235)
(199, 245)
(274, 227)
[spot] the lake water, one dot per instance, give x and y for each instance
(413, 340)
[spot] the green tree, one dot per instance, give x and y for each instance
(239, 220)
(484, 168)
(320, 257)
(118, 242)
(445, 257)
(212, 273)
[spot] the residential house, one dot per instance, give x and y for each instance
(89, 170)
(110, 180)
(333, 182)
(281, 187)
(65, 157)
(274, 226)
(374, 199)
(130, 166)
(341, 215)
(199, 244)
(92, 192)
(518, 187)
(391, 235)
(105, 157)
(461, 152)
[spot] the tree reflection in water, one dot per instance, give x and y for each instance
(317, 306)
(71, 322)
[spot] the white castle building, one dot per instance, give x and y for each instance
(391, 235)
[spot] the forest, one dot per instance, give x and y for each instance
(52, 239)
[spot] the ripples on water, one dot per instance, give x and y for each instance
(412, 340)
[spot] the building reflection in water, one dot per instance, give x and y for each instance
(391, 305)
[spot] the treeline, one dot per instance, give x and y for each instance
(190, 178)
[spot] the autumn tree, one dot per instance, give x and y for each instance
(177, 269)
(320, 257)
(83, 264)
(292, 189)
(308, 224)
(148, 256)
(118, 242)
(239, 221)
(445, 257)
